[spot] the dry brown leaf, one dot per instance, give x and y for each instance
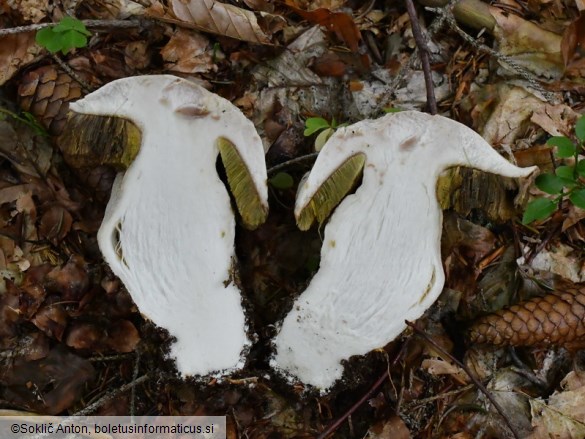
(220, 19)
(188, 52)
(50, 385)
(392, 428)
(16, 51)
(70, 281)
(536, 49)
(122, 336)
(438, 366)
(557, 120)
(340, 23)
(563, 417)
(137, 55)
(55, 224)
(573, 47)
(31, 10)
(51, 319)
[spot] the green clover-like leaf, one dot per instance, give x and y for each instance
(549, 183)
(314, 124)
(566, 172)
(282, 180)
(48, 39)
(580, 128)
(71, 24)
(538, 209)
(565, 147)
(581, 168)
(72, 39)
(577, 197)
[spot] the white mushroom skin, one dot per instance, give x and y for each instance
(381, 259)
(169, 228)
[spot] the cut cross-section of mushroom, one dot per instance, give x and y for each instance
(380, 260)
(169, 228)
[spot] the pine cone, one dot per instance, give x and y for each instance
(557, 318)
(46, 93)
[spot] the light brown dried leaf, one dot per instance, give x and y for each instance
(16, 51)
(573, 47)
(563, 417)
(188, 52)
(51, 319)
(220, 19)
(392, 428)
(535, 48)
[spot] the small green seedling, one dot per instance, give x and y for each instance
(566, 181)
(316, 124)
(68, 34)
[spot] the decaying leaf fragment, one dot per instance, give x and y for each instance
(169, 230)
(380, 260)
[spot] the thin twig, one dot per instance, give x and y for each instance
(508, 61)
(85, 86)
(121, 24)
(386, 375)
(134, 378)
(117, 357)
(110, 395)
(423, 52)
(294, 161)
(472, 377)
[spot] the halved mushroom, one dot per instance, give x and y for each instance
(169, 228)
(381, 259)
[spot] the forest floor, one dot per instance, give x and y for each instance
(73, 342)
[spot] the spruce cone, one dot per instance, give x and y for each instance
(46, 93)
(557, 318)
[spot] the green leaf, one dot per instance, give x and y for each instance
(72, 39)
(549, 183)
(391, 110)
(48, 39)
(282, 180)
(565, 147)
(566, 172)
(537, 209)
(71, 24)
(581, 168)
(66, 35)
(580, 128)
(577, 197)
(314, 124)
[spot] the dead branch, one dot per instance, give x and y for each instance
(108, 24)
(110, 395)
(284, 165)
(423, 52)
